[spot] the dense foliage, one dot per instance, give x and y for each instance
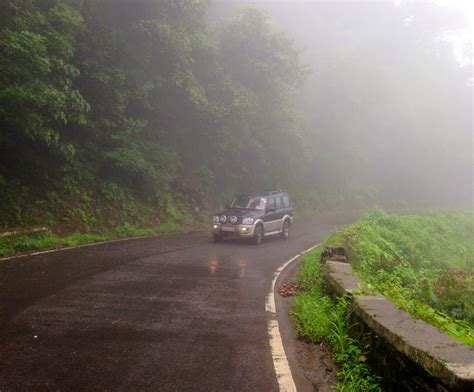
(424, 263)
(116, 112)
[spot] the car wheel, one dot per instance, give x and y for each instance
(258, 235)
(285, 231)
(217, 238)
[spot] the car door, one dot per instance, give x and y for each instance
(270, 215)
(279, 213)
(287, 206)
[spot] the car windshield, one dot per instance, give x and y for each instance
(255, 203)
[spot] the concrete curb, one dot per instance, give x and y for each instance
(426, 358)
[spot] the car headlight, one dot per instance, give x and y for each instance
(215, 219)
(247, 221)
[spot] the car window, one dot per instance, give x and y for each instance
(286, 201)
(278, 203)
(257, 203)
(271, 203)
(262, 203)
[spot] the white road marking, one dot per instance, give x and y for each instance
(280, 361)
(270, 305)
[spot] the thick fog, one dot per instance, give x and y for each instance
(169, 106)
(387, 108)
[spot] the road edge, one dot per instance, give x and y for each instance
(281, 365)
(61, 249)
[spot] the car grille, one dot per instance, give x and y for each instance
(230, 220)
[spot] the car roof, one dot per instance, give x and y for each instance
(265, 194)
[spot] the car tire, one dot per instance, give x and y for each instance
(217, 238)
(258, 235)
(285, 230)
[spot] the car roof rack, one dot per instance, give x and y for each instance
(257, 194)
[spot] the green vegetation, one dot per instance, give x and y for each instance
(319, 319)
(144, 112)
(24, 243)
(138, 112)
(424, 263)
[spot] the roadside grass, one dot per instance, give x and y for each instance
(424, 263)
(77, 216)
(25, 243)
(320, 319)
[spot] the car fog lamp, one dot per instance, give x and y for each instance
(215, 226)
(244, 229)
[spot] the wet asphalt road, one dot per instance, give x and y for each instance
(174, 313)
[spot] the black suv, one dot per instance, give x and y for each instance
(255, 216)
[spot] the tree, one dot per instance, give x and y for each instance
(37, 93)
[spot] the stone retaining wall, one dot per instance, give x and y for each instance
(409, 354)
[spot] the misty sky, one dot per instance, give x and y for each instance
(383, 92)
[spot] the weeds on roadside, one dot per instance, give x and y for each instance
(355, 375)
(319, 319)
(423, 263)
(25, 243)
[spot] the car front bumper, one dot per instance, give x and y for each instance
(244, 231)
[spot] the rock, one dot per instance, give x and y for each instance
(334, 253)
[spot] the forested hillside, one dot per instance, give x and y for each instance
(144, 111)
(111, 112)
